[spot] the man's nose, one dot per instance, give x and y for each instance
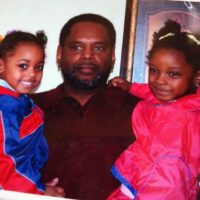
(87, 53)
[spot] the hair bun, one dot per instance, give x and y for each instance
(170, 28)
(42, 37)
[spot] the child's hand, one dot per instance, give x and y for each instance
(53, 190)
(119, 82)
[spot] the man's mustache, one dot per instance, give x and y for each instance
(86, 64)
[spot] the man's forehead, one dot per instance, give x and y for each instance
(88, 24)
(88, 31)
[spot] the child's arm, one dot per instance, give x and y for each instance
(20, 170)
(12, 177)
(121, 83)
(140, 90)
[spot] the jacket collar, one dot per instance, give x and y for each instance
(6, 89)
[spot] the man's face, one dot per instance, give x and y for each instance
(87, 57)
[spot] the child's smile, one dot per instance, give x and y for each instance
(23, 69)
(170, 76)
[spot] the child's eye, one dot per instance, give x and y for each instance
(23, 66)
(152, 70)
(174, 74)
(39, 68)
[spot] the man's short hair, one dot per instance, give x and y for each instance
(88, 17)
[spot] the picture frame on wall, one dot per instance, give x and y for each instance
(142, 19)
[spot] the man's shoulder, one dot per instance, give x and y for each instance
(117, 96)
(48, 98)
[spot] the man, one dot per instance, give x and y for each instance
(88, 124)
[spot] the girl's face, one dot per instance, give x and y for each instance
(22, 69)
(170, 75)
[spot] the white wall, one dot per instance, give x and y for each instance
(50, 16)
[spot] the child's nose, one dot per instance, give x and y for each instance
(31, 72)
(161, 79)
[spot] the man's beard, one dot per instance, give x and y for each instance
(100, 79)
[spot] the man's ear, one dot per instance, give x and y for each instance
(58, 56)
(2, 66)
(197, 78)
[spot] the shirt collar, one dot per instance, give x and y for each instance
(115, 97)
